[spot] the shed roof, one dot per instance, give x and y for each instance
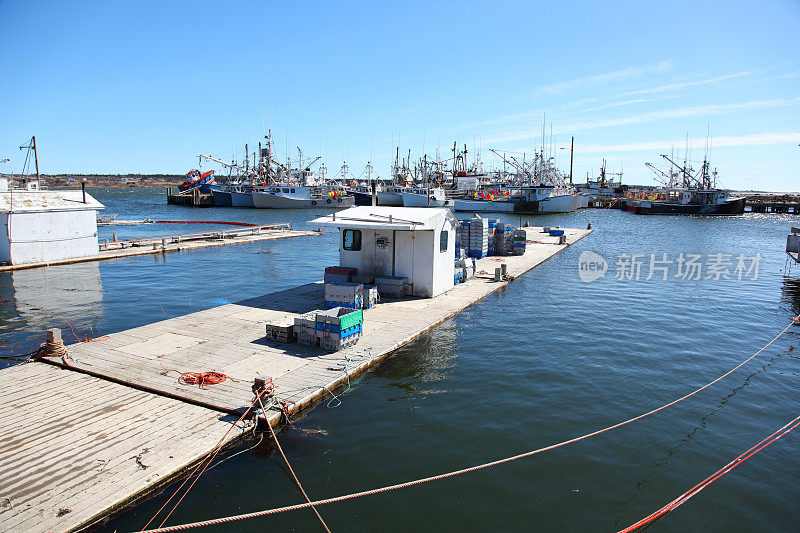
(28, 201)
(394, 218)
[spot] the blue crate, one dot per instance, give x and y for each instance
(477, 254)
(333, 328)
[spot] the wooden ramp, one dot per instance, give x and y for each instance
(114, 422)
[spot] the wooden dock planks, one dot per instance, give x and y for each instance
(264, 235)
(71, 440)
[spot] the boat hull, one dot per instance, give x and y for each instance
(241, 199)
(421, 200)
(390, 199)
(221, 198)
(383, 198)
(484, 206)
(563, 203)
(734, 206)
(273, 201)
(362, 198)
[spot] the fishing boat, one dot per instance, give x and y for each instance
(386, 195)
(689, 202)
(695, 194)
(195, 180)
(604, 185)
(424, 197)
(233, 195)
(500, 205)
(526, 200)
(287, 196)
(241, 195)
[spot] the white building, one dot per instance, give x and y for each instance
(41, 226)
(417, 243)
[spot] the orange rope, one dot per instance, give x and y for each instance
(201, 379)
(686, 496)
(85, 338)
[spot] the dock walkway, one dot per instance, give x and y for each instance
(113, 423)
(174, 243)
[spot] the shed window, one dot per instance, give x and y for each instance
(443, 242)
(352, 240)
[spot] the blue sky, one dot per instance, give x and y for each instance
(144, 87)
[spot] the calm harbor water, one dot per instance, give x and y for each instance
(548, 358)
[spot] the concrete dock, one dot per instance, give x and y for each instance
(88, 434)
(174, 243)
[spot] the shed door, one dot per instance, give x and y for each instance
(384, 253)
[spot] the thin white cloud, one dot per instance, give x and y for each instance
(603, 79)
(682, 112)
(693, 83)
(621, 104)
(756, 139)
(578, 125)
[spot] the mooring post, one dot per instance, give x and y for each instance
(83, 189)
(54, 336)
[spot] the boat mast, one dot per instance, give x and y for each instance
(571, 150)
(35, 156)
(603, 174)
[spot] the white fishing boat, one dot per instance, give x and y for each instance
(385, 195)
(391, 196)
(605, 184)
(528, 200)
(297, 197)
(424, 197)
(501, 205)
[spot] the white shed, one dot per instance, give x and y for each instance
(41, 226)
(413, 242)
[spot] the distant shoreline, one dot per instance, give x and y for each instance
(73, 181)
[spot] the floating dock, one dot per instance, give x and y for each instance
(192, 199)
(175, 243)
(90, 433)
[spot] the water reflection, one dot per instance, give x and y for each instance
(39, 298)
(428, 360)
(790, 293)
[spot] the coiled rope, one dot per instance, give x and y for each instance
(686, 496)
(277, 510)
